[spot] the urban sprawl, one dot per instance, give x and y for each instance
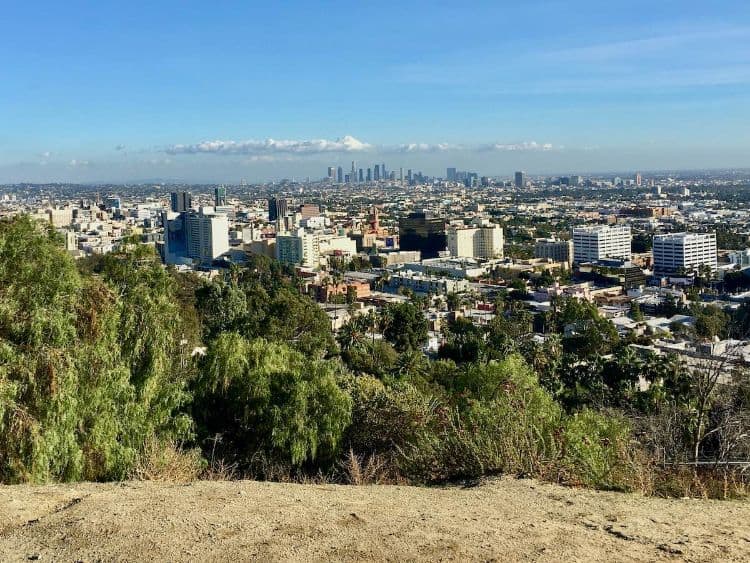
(644, 248)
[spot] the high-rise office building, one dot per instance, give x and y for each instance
(520, 179)
(207, 235)
(377, 172)
(450, 175)
(369, 174)
(685, 253)
(332, 173)
(220, 196)
(382, 172)
(353, 173)
(598, 242)
(340, 175)
(196, 236)
(361, 175)
(417, 232)
(401, 174)
(181, 201)
(277, 207)
(638, 179)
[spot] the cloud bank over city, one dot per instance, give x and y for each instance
(346, 144)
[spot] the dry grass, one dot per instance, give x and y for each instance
(371, 470)
(706, 483)
(168, 462)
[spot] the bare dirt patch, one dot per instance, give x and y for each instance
(502, 520)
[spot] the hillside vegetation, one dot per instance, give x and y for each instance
(98, 382)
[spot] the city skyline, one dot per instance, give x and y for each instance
(142, 92)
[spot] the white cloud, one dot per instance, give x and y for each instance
(485, 147)
(272, 146)
(427, 147)
(272, 150)
(525, 146)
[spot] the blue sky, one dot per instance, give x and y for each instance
(100, 91)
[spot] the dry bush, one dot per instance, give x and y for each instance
(220, 470)
(703, 482)
(168, 462)
(369, 470)
(266, 468)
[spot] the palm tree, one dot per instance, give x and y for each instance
(384, 279)
(453, 300)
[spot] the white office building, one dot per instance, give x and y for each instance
(206, 235)
(600, 242)
(684, 252)
(195, 236)
(299, 249)
(480, 240)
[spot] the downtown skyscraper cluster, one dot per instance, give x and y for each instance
(357, 175)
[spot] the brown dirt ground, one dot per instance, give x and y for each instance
(502, 520)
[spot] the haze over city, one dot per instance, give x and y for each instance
(135, 92)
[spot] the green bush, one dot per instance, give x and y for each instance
(508, 424)
(87, 374)
(386, 419)
(265, 397)
(597, 451)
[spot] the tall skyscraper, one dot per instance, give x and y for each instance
(520, 179)
(340, 175)
(450, 174)
(369, 174)
(200, 236)
(382, 172)
(353, 173)
(181, 201)
(332, 173)
(638, 179)
(377, 172)
(220, 196)
(417, 232)
(277, 207)
(361, 175)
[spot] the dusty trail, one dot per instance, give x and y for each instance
(504, 520)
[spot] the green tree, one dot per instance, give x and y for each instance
(635, 312)
(265, 397)
(464, 342)
(81, 388)
(405, 326)
(710, 322)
